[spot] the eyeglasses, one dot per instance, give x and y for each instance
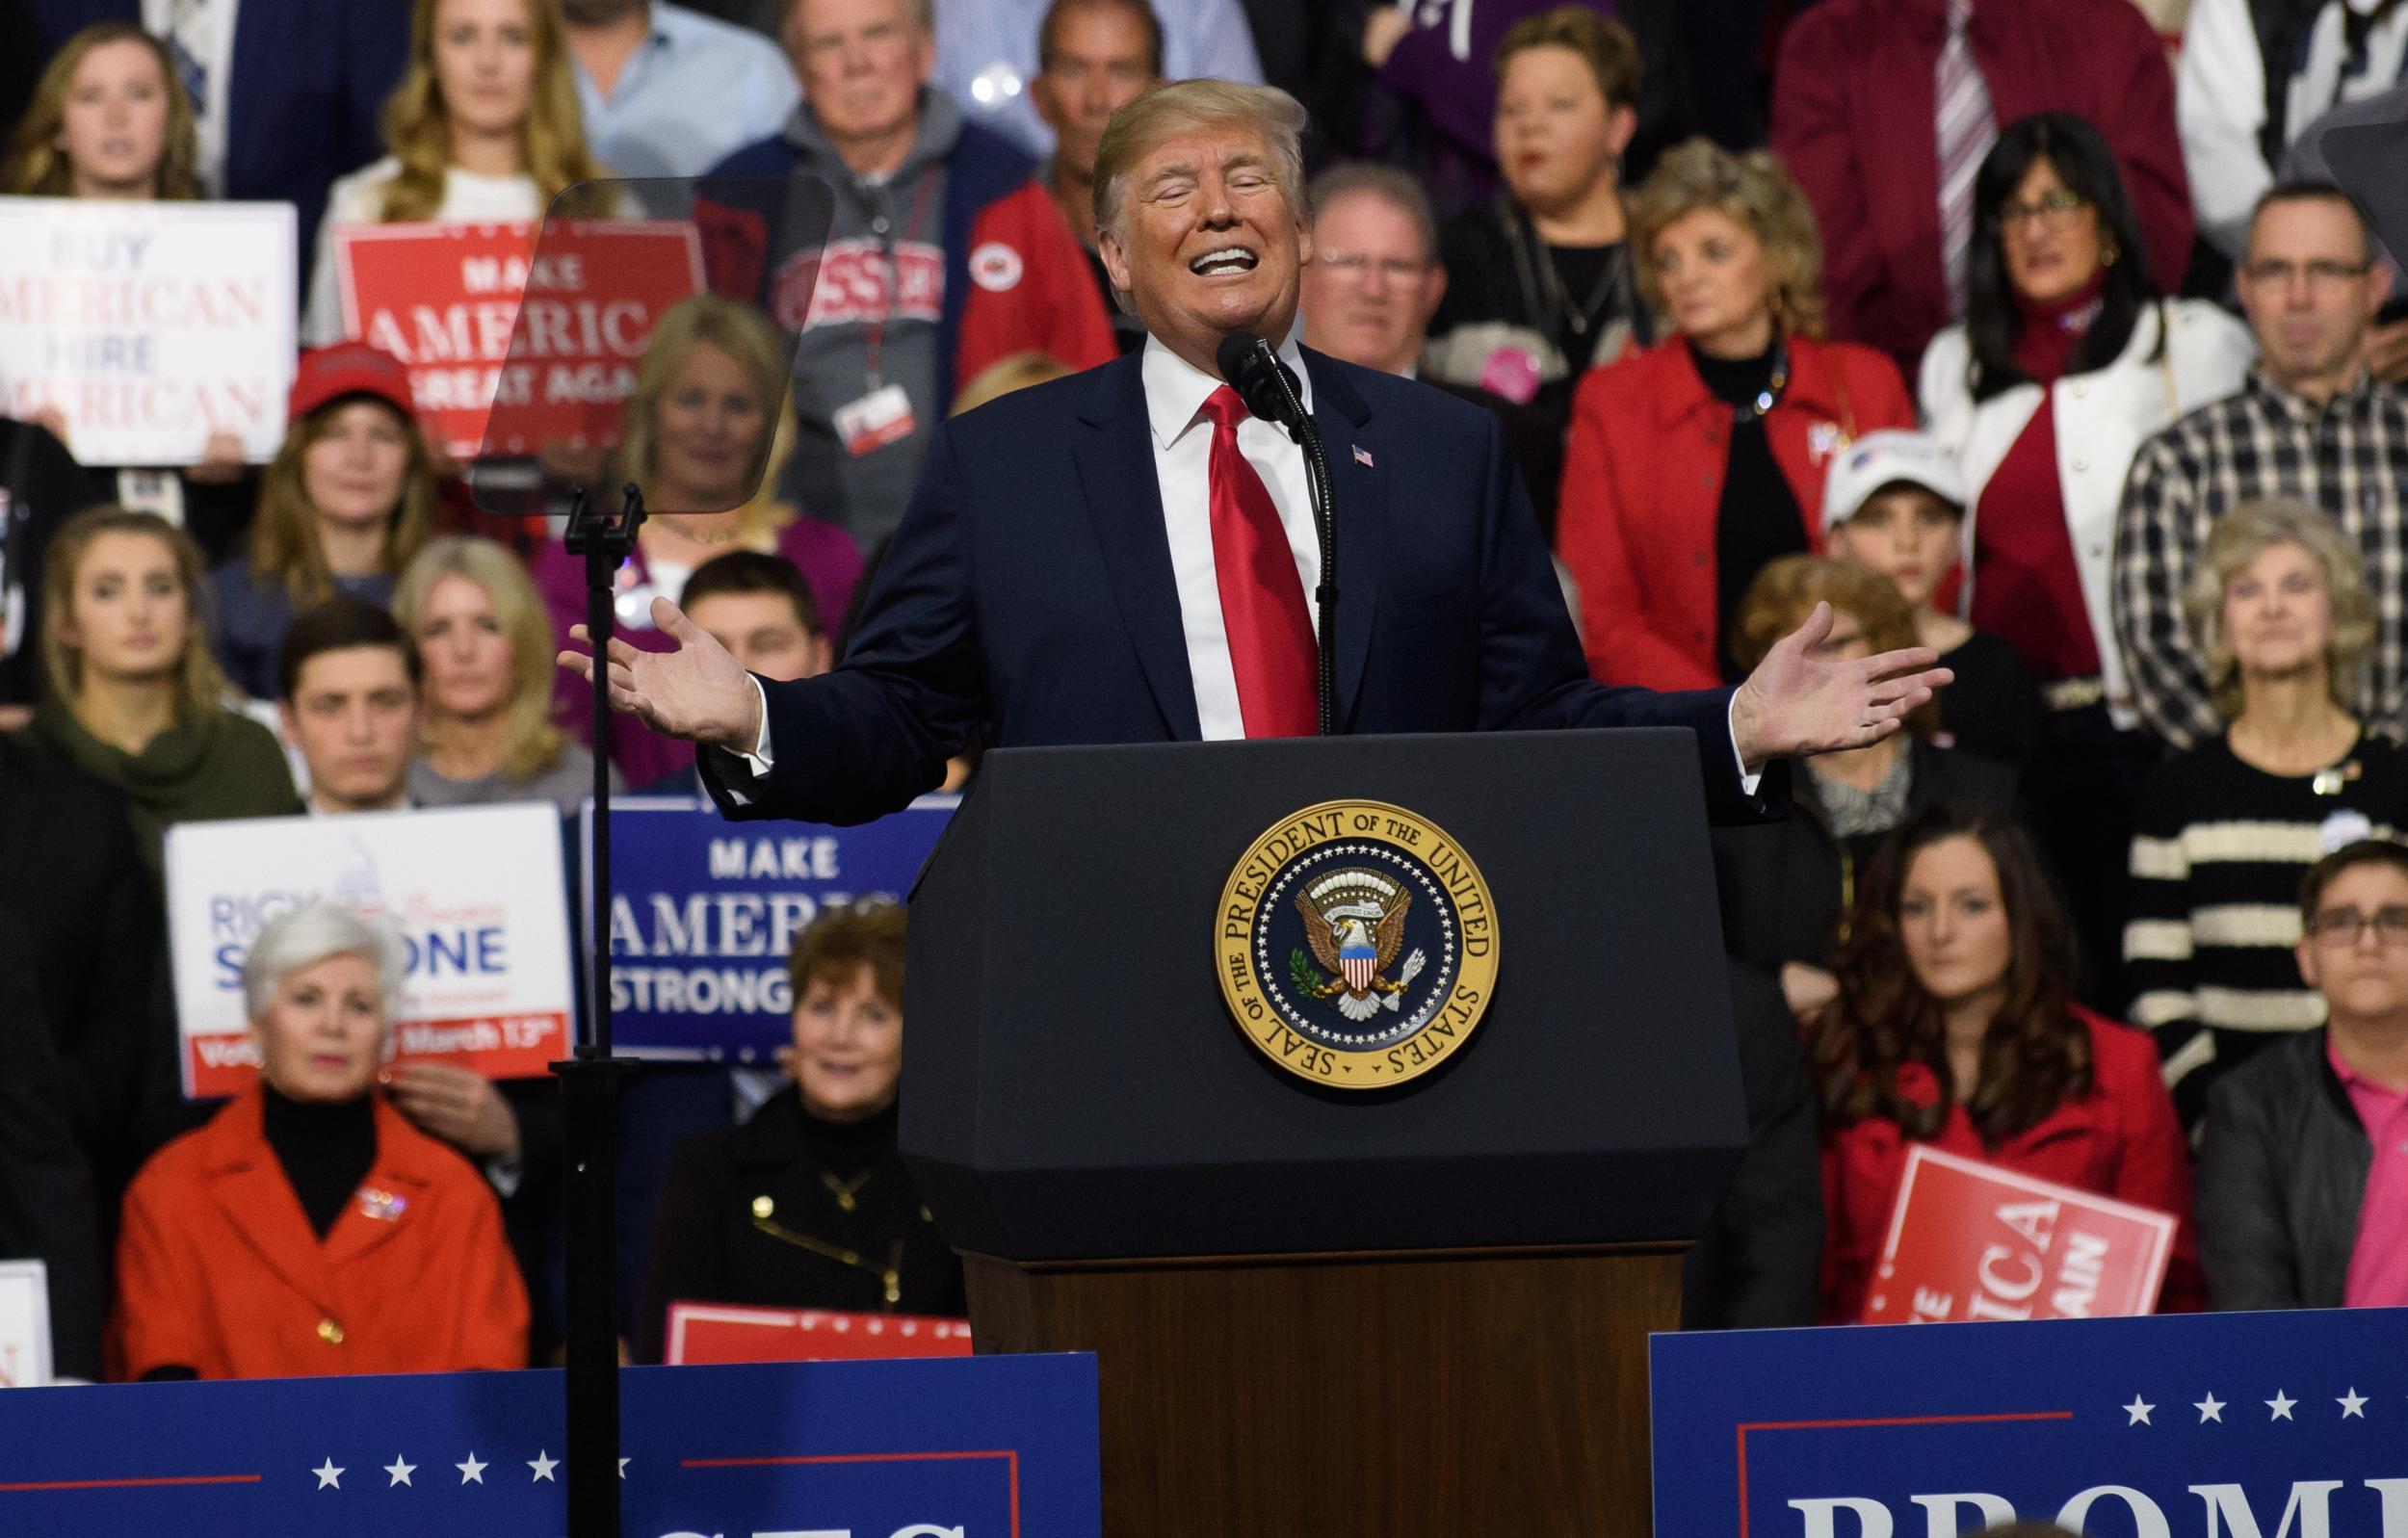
(1356, 267)
(2340, 927)
(2054, 210)
(2320, 274)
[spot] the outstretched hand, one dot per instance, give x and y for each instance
(1796, 702)
(697, 691)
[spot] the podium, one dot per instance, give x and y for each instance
(1418, 1310)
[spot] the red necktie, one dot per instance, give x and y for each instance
(1261, 595)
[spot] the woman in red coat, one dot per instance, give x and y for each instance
(1693, 464)
(1955, 1026)
(309, 1229)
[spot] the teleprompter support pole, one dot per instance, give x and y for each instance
(591, 1080)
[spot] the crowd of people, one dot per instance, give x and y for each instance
(2032, 331)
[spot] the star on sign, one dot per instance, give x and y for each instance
(2210, 1409)
(544, 1462)
(2352, 1404)
(471, 1472)
(401, 1471)
(622, 1467)
(329, 1475)
(2138, 1412)
(2280, 1405)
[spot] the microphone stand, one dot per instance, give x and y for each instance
(1325, 594)
(592, 1077)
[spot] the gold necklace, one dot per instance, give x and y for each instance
(843, 1190)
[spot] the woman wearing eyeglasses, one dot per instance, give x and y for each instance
(2283, 620)
(2067, 360)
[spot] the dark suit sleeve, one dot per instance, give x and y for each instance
(1532, 673)
(857, 744)
(374, 57)
(685, 1265)
(1759, 1266)
(48, 1210)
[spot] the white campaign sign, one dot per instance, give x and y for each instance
(478, 893)
(147, 326)
(24, 1324)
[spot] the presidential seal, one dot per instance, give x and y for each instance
(1356, 945)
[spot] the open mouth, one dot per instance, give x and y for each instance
(1226, 260)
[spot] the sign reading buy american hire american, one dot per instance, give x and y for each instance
(992, 1447)
(476, 891)
(2205, 1425)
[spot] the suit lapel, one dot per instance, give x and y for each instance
(258, 1203)
(391, 1198)
(1124, 500)
(1358, 494)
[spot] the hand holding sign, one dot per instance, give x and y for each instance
(697, 691)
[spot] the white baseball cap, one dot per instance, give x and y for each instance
(1885, 459)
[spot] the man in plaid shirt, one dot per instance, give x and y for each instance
(2310, 422)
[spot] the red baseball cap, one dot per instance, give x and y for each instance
(327, 374)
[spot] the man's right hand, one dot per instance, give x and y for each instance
(697, 691)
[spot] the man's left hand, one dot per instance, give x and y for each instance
(1796, 703)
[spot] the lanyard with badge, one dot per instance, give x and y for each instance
(884, 414)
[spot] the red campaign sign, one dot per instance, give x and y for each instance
(717, 1333)
(447, 300)
(1970, 1240)
(507, 1046)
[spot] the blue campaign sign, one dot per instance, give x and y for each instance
(2211, 1425)
(992, 1447)
(703, 912)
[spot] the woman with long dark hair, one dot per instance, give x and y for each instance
(2069, 357)
(1955, 1025)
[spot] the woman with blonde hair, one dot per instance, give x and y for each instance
(1786, 886)
(133, 696)
(485, 128)
(705, 431)
(109, 120)
(2227, 830)
(486, 732)
(347, 502)
(1693, 464)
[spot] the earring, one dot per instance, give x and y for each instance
(2109, 259)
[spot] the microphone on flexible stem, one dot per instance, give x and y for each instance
(1270, 392)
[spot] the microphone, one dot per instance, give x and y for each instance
(1270, 391)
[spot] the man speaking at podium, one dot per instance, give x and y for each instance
(1127, 555)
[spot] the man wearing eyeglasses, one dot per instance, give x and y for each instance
(2303, 1163)
(2312, 421)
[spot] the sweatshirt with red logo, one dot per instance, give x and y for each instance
(925, 276)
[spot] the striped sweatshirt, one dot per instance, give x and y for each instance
(2218, 857)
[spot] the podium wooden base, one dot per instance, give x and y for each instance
(1387, 1395)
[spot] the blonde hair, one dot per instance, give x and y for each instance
(1015, 370)
(200, 684)
(1756, 192)
(531, 743)
(37, 167)
(2240, 537)
(551, 138)
(1180, 105)
(1601, 43)
(744, 334)
(284, 544)
(1788, 589)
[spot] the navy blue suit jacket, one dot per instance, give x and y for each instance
(1028, 596)
(310, 78)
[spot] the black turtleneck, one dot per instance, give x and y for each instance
(1758, 519)
(325, 1150)
(846, 1148)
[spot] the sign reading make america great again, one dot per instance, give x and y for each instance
(2202, 1425)
(992, 1447)
(704, 913)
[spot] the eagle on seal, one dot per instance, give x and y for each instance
(1357, 937)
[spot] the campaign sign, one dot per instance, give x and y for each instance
(994, 1447)
(718, 1332)
(1970, 1240)
(25, 1324)
(704, 913)
(478, 893)
(2209, 1425)
(147, 326)
(446, 299)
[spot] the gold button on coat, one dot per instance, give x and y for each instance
(329, 1331)
(763, 1207)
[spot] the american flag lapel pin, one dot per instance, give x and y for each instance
(1363, 457)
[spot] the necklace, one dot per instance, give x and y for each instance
(844, 1191)
(1766, 398)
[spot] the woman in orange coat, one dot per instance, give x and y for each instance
(1693, 464)
(1956, 1027)
(309, 1228)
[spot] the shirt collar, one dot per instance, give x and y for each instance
(2353, 398)
(1175, 389)
(2357, 1083)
